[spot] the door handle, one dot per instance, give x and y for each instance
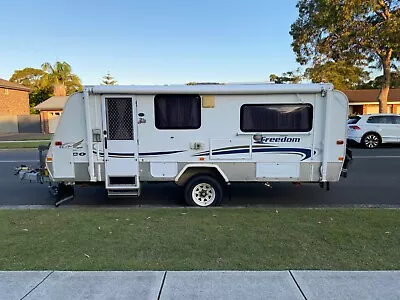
(105, 138)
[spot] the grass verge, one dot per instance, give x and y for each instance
(21, 144)
(42, 136)
(25, 136)
(199, 239)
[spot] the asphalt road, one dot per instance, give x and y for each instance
(373, 180)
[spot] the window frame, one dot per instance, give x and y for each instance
(277, 131)
(198, 112)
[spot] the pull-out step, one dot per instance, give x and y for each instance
(123, 193)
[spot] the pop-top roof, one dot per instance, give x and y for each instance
(209, 88)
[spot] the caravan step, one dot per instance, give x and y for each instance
(123, 192)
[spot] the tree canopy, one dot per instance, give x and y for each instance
(108, 80)
(29, 77)
(287, 77)
(50, 80)
(61, 78)
(341, 74)
(377, 82)
(348, 35)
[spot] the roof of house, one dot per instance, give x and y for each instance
(53, 103)
(371, 95)
(13, 86)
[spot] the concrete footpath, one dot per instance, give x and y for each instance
(232, 285)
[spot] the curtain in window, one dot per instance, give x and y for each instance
(177, 111)
(276, 118)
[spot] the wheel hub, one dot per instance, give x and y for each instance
(371, 141)
(203, 194)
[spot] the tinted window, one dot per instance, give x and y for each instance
(396, 120)
(353, 120)
(380, 120)
(276, 117)
(177, 111)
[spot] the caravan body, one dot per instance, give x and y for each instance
(199, 136)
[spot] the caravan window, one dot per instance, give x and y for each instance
(276, 117)
(177, 111)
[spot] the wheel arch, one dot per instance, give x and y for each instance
(191, 170)
(373, 132)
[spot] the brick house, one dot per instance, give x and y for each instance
(14, 98)
(365, 101)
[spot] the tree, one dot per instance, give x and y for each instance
(108, 80)
(56, 80)
(204, 83)
(39, 95)
(377, 82)
(61, 78)
(29, 77)
(342, 75)
(287, 77)
(358, 32)
(33, 78)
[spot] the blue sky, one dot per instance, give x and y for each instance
(150, 42)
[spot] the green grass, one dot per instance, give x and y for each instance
(21, 144)
(199, 239)
(33, 136)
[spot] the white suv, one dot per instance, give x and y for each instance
(374, 129)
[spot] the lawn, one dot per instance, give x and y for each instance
(39, 136)
(25, 136)
(21, 144)
(199, 239)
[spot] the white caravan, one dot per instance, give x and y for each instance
(201, 137)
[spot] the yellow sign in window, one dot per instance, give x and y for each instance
(208, 101)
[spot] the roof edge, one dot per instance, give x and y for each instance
(6, 84)
(210, 89)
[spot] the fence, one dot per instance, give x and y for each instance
(20, 124)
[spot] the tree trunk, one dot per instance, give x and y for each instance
(384, 92)
(60, 89)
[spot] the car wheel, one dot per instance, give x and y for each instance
(203, 191)
(371, 140)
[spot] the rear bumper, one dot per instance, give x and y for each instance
(354, 139)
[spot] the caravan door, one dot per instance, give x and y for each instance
(120, 142)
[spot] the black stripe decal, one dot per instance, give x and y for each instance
(160, 153)
(306, 153)
(122, 154)
(140, 154)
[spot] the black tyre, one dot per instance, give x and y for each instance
(371, 140)
(203, 191)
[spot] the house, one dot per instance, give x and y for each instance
(14, 98)
(50, 112)
(365, 101)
